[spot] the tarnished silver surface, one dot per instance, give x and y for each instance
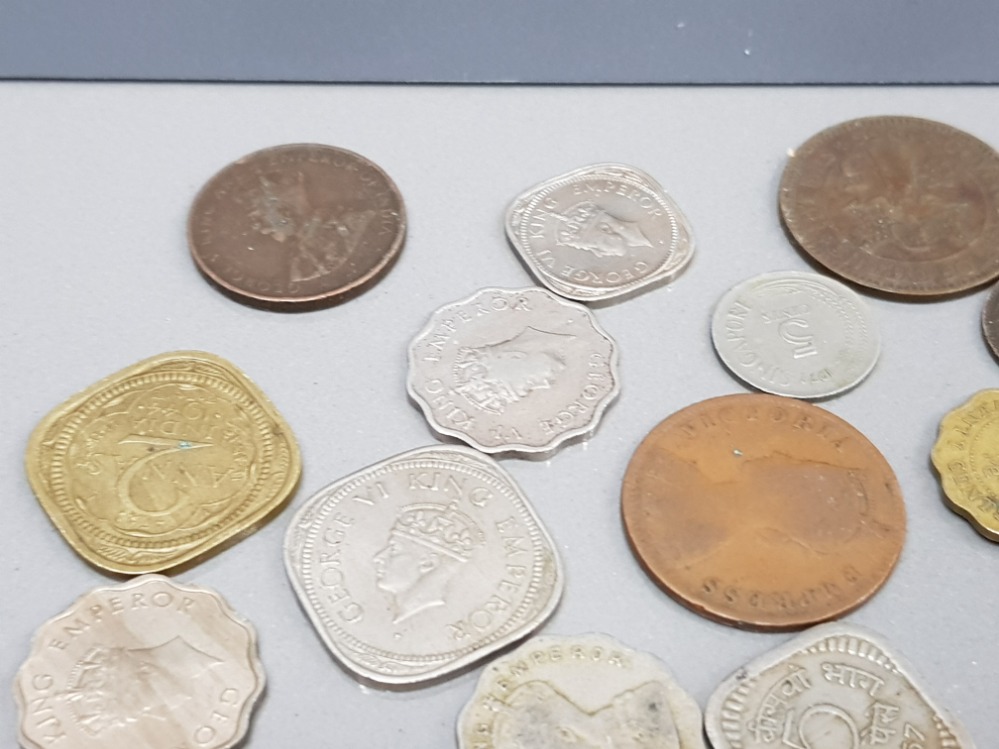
(148, 663)
(797, 334)
(421, 564)
(599, 232)
(513, 370)
(836, 686)
(582, 692)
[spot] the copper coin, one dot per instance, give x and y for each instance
(297, 225)
(898, 204)
(763, 512)
(990, 320)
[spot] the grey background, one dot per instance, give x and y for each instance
(97, 180)
(454, 41)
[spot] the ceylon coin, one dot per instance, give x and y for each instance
(899, 204)
(580, 691)
(422, 564)
(763, 512)
(513, 370)
(965, 456)
(296, 225)
(836, 686)
(148, 663)
(161, 462)
(599, 232)
(796, 334)
(990, 320)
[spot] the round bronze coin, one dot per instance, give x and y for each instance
(763, 512)
(898, 204)
(297, 225)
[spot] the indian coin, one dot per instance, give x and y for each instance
(581, 691)
(990, 320)
(838, 686)
(899, 204)
(763, 512)
(296, 225)
(148, 663)
(796, 334)
(599, 232)
(161, 462)
(965, 457)
(513, 370)
(422, 564)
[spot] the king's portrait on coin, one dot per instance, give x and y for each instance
(426, 549)
(591, 228)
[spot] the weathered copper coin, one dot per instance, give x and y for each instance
(297, 225)
(990, 320)
(899, 204)
(965, 456)
(162, 462)
(763, 512)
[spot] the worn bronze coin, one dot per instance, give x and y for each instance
(297, 226)
(763, 512)
(898, 204)
(990, 320)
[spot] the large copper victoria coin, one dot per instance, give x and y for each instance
(899, 204)
(297, 225)
(763, 512)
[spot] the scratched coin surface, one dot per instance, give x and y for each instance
(899, 204)
(836, 686)
(422, 564)
(298, 224)
(161, 462)
(763, 512)
(966, 455)
(584, 692)
(513, 370)
(149, 663)
(990, 320)
(599, 232)
(796, 334)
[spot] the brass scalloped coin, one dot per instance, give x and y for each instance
(149, 664)
(899, 204)
(966, 455)
(763, 512)
(296, 225)
(162, 462)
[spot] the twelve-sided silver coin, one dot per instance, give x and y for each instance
(599, 232)
(836, 685)
(797, 334)
(148, 663)
(421, 564)
(581, 691)
(513, 370)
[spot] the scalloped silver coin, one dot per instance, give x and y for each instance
(797, 334)
(149, 663)
(422, 564)
(599, 232)
(581, 691)
(513, 370)
(835, 686)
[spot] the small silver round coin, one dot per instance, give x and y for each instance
(797, 334)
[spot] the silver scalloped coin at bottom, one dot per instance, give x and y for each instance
(581, 692)
(513, 370)
(419, 565)
(148, 663)
(797, 334)
(836, 686)
(599, 232)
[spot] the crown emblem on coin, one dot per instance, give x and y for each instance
(440, 527)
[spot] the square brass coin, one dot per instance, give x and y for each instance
(162, 462)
